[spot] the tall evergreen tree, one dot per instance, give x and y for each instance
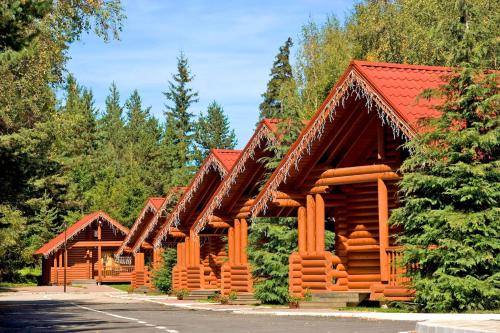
(112, 123)
(178, 137)
(212, 131)
(281, 72)
(451, 188)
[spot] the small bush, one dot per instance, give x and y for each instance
(162, 278)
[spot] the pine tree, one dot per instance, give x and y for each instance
(213, 131)
(280, 73)
(178, 137)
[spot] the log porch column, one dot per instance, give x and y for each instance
(383, 216)
(244, 241)
(302, 222)
(230, 240)
(311, 228)
(320, 223)
(237, 242)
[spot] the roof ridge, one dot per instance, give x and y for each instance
(401, 66)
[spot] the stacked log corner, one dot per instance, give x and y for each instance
(141, 275)
(179, 271)
(312, 268)
(194, 270)
(236, 272)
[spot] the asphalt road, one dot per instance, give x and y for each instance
(51, 315)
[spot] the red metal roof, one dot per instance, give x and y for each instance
(265, 126)
(395, 88)
(153, 203)
(217, 159)
(226, 157)
(157, 202)
(400, 85)
(57, 241)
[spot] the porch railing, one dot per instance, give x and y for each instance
(396, 270)
(117, 271)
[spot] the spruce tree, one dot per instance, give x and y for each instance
(178, 136)
(111, 123)
(451, 190)
(213, 131)
(281, 72)
(162, 278)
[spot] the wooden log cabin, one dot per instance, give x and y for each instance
(341, 175)
(90, 245)
(137, 246)
(141, 275)
(230, 205)
(199, 260)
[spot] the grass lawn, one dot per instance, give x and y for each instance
(8, 286)
(372, 309)
(122, 287)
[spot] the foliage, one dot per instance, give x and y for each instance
(17, 22)
(162, 278)
(181, 293)
(212, 131)
(451, 191)
(178, 141)
(280, 73)
(270, 243)
(423, 31)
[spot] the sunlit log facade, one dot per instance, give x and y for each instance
(88, 254)
(230, 206)
(199, 257)
(341, 175)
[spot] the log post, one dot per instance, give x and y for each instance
(187, 250)
(237, 242)
(320, 223)
(311, 217)
(302, 221)
(99, 253)
(383, 217)
(230, 239)
(196, 244)
(179, 254)
(244, 241)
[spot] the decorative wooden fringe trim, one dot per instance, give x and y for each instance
(168, 200)
(211, 162)
(356, 85)
(263, 133)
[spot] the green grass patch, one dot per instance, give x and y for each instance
(10, 286)
(372, 309)
(123, 287)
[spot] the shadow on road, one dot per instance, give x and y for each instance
(50, 316)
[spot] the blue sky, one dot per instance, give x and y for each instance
(230, 45)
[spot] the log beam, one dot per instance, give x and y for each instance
(357, 170)
(364, 178)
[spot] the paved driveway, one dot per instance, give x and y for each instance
(97, 312)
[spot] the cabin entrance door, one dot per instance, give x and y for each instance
(88, 267)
